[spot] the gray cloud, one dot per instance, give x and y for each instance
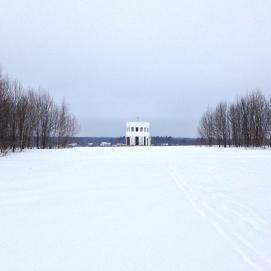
(164, 61)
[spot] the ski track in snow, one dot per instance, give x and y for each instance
(222, 224)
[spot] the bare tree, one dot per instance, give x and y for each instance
(30, 118)
(221, 124)
(206, 128)
(244, 123)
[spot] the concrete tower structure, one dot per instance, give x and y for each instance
(138, 133)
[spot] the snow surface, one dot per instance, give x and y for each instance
(131, 209)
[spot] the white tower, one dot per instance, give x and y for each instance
(138, 133)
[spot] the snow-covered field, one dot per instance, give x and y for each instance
(133, 209)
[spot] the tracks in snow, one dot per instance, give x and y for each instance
(225, 224)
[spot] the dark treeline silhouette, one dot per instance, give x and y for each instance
(30, 118)
(246, 122)
(155, 140)
(174, 141)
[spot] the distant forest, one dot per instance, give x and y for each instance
(156, 141)
(31, 118)
(246, 122)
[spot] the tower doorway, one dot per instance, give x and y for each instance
(128, 141)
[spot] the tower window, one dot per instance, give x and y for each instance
(136, 129)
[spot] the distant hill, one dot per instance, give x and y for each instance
(156, 141)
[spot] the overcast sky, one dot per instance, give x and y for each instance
(162, 61)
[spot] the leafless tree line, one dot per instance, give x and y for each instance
(30, 118)
(246, 122)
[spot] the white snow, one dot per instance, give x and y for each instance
(131, 209)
